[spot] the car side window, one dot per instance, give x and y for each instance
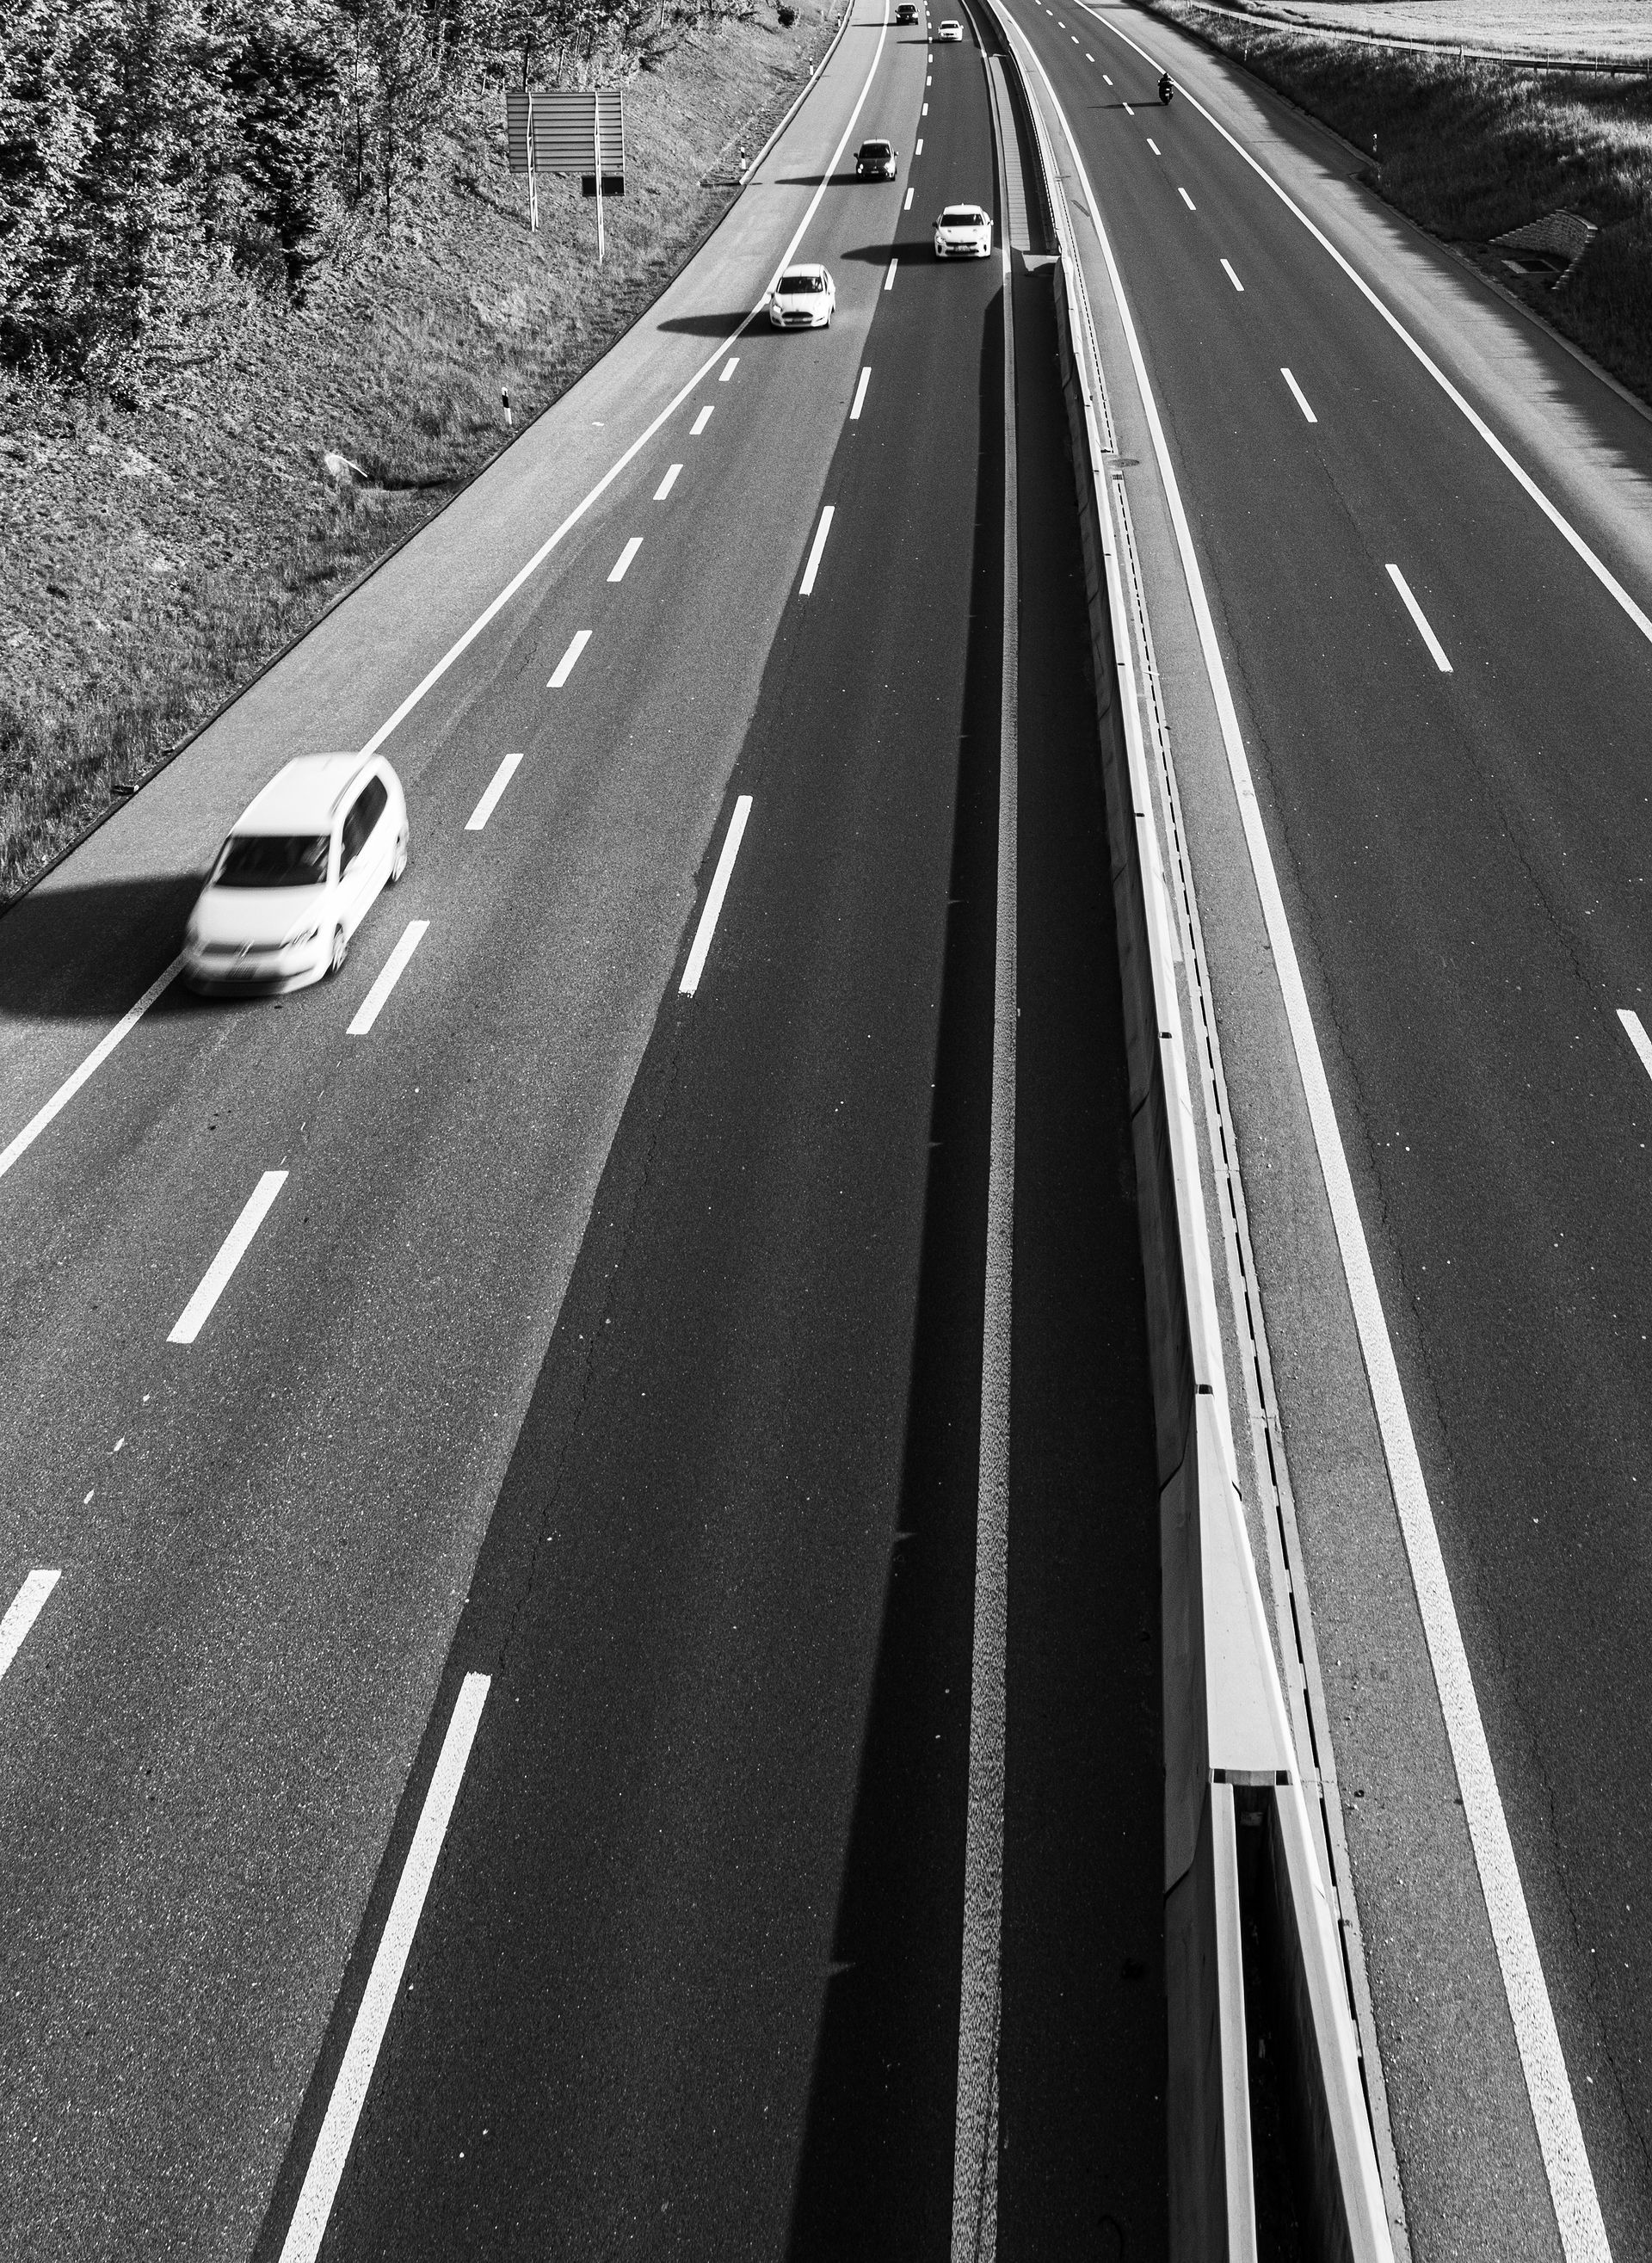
(364, 812)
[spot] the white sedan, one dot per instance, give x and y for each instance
(963, 232)
(297, 876)
(804, 299)
(951, 29)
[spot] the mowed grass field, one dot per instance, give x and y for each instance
(156, 556)
(1471, 148)
(1619, 29)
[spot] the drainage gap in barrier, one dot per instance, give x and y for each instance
(1272, 2037)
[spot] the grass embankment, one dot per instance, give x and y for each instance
(1471, 148)
(155, 557)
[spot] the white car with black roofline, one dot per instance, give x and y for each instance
(804, 299)
(963, 232)
(305, 864)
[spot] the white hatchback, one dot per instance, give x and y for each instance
(950, 30)
(804, 299)
(297, 876)
(963, 232)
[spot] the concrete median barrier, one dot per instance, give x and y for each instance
(1255, 2143)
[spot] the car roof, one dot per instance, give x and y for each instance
(303, 796)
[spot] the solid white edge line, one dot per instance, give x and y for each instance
(668, 483)
(813, 567)
(216, 1279)
(1597, 566)
(1553, 2109)
(372, 1005)
(1232, 278)
(563, 668)
(321, 2178)
(975, 2164)
(1419, 620)
(860, 395)
(89, 1068)
(1638, 1038)
(614, 470)
(715, 895)
(1302, 398)
(622, 564)
(489, 801)
(700, 421)
(23, 1608)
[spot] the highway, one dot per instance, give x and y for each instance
(1424, 545)
(514, 1622)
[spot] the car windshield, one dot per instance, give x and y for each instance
(272, 860)
(874, 149)
(960, 216)
(793, 283)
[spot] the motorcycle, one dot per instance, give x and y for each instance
(1167, 87)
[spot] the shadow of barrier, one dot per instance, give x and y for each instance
(1270, 2153)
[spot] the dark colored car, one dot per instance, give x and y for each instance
(906, 13)
(875, 161)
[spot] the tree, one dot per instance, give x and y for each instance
(43, 134)
(285, 84)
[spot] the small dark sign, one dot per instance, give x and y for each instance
(613, 185)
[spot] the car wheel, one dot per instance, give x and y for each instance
(399, 862)
(341, 952)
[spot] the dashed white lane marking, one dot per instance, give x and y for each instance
(1186, 199)
(1227, 266)
(1128, 112)
(25, 1608)
(1302, 398)
(907, 206)
(1088, 57)
(374, 1004)
(237, 1242)
(668, 483)
(707, 928)
(89, 1068)
(700, 421)
(1627, 1015)
(622, 562)
(1153, 146)
(320, 2188)
(889, 279)
(926, 110)
(1416, 613)
(918, 147)
(1105, 81)
(1543, 2062)
(728, 369)
(489, 801)
(813, 567)
(565, 667)
(860, 395)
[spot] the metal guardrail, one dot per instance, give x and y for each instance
(1249, 1937)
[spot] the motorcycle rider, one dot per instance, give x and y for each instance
(1166, 87)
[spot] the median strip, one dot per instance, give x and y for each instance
(374, 1004)
(321, 2179)
(216, 1279)
(26, 1607)
(720, 878)
(1416, 613)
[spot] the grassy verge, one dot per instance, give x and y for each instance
(1471, 148)
(157, 556)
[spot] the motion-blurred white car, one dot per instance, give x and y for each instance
(804, 299)
(951, 29)
(302, 869)
(963, 232)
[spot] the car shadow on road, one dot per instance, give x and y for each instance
(89, 953)
(713, 326)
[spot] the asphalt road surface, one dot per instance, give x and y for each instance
(1444, 708)
(584, 1451)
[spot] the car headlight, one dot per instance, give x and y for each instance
(300, 937)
